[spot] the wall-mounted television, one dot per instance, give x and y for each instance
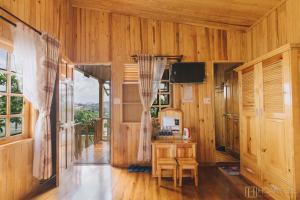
(187, 72)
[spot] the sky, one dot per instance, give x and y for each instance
(86, 89)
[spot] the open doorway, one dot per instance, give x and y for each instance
(226, 113)
(92, 114)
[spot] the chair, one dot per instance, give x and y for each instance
(186, 159)
(165, 154)
(187, 164)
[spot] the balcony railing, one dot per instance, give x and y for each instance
(91, 133)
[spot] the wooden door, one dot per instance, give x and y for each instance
(275, 122)
(66, 118)
(236, 135)
(249, 130)
(249, 125)
(231, 112)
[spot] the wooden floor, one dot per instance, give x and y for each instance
(225, 157)
(103, 182)
(98, 153)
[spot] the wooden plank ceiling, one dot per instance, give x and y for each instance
(227, 14)
(100, 72)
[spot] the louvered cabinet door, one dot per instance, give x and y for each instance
(275, 119)
(249, 129)
(248, 107)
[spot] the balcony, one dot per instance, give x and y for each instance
(92, 142)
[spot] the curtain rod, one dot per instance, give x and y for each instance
(17, 18)
(172, 57)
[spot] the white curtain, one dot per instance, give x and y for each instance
(25, 54)
(151, 70)
(39, 57)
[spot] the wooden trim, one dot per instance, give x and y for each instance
(23, 140)
(227, 61)
(25, 115)
(268, 55)
(212, 63)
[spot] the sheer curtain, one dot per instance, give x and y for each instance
(39, 57)
(151, 70)
(25, 53)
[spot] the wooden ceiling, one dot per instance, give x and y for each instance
(228, 14)
(100, 72)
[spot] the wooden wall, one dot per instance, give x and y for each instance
(106, 37)
(54, 17)
(16, 170)
(279, 27)
(51, 16)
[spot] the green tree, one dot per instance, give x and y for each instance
(85, 116)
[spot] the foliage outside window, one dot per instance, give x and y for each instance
(85, 116)
(11, 97)
(164, 95)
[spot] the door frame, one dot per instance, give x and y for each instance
(110, 64)
(212, 64)
(67, 62)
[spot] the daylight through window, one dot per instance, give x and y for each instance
(164, 95)
(11, 97)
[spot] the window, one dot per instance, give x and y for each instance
(164, 95)
(11, 97)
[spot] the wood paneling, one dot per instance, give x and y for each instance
(277, 28)
(129, 35)
(218, 13)
(16, 170)
(51, 16)
(54, 17)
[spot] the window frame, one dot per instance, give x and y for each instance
(170, 93)
(26, 112)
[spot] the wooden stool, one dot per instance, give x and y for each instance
(187, 164)
(166, 164)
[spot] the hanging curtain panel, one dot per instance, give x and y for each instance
(150, 73)
(39, 57)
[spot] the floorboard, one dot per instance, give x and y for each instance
(98, 153)
(89, 182)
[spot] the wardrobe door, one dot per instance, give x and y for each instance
(275, 118)
(249, 119)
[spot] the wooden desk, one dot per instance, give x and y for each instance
(182, 148)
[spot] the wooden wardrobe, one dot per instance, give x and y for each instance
(270, 122)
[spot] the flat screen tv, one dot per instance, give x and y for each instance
(187, 72)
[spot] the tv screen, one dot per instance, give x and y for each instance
(187, 72)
